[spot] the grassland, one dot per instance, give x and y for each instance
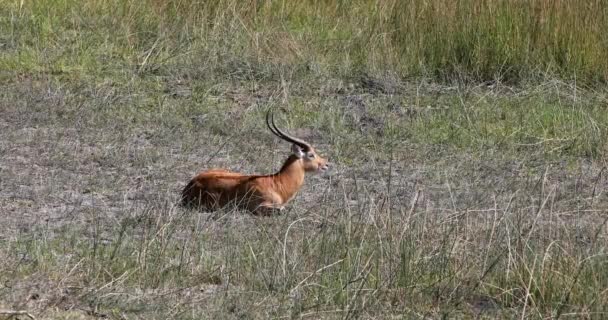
(467, 141)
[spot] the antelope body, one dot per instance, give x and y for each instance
(259, 194)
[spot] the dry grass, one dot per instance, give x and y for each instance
(445, 201)
(91, 227)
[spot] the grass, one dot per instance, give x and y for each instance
(446, 40)
(468, 159)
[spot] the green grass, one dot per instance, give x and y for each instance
(447, 40)
(467, 142)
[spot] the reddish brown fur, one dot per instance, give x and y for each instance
(260, 194)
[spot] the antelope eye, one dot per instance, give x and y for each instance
(310, 155)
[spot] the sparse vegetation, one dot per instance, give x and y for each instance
(468, 141)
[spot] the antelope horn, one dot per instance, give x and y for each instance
(277, 132)
(270, 126)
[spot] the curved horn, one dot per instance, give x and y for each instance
(277, 132)
(269, 126)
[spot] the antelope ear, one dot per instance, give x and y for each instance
(297, 151)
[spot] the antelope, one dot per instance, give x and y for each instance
(259, 194)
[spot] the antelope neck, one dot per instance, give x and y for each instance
(290, 178)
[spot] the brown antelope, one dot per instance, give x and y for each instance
(259, 194)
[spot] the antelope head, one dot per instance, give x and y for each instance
(301, 149)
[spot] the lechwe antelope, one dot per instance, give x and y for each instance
(259, 194)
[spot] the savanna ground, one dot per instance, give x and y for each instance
(467, 141)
